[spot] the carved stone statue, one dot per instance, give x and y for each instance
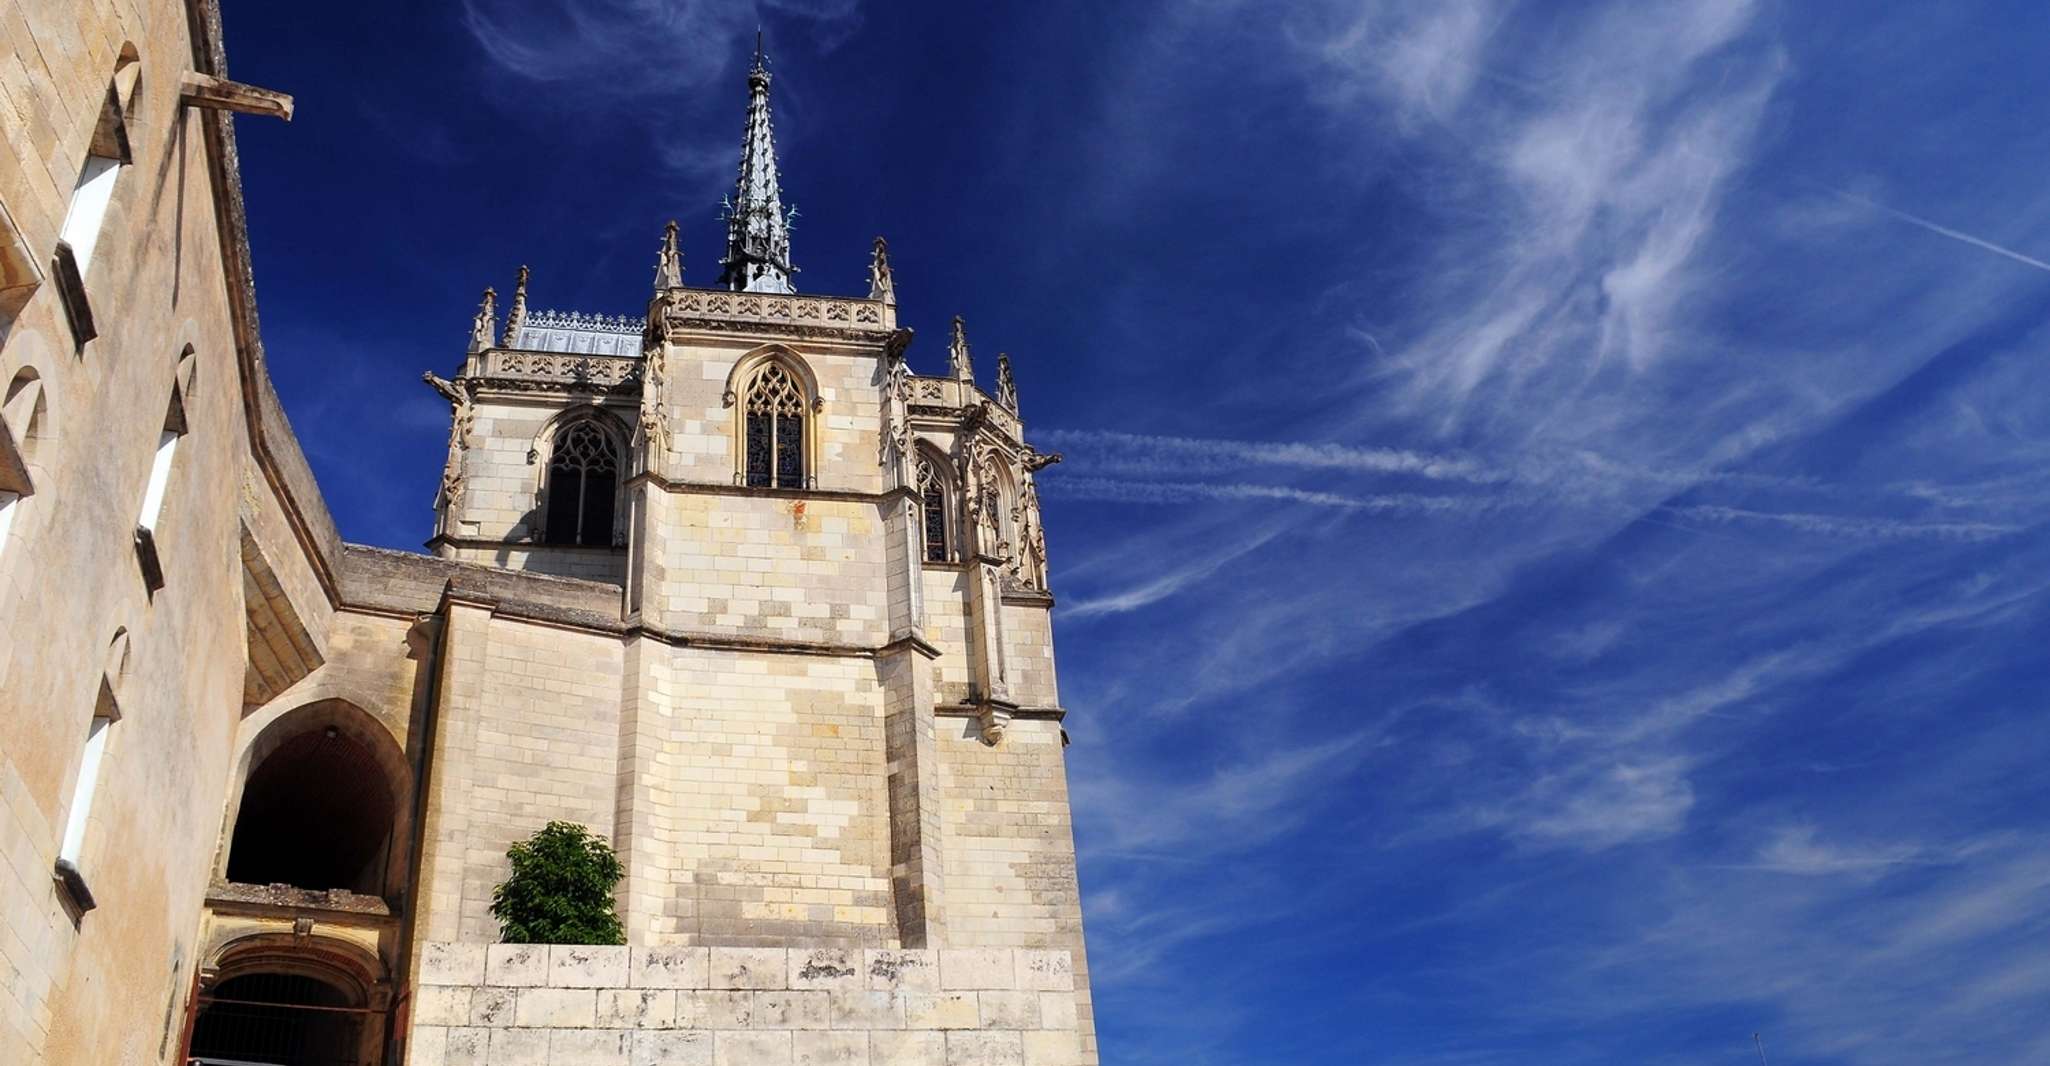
(881, 284)
(462, 419)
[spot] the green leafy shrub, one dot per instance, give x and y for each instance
(560, 889)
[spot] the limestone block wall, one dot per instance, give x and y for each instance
(946, 626)
(545, 747)
(1010, 847)
(96, 987)
(590, 564)
(1028, 647)
(703, 445)
(529, 1005)
(766, 810)
(809, 570)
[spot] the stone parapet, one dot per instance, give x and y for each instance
(518, 1004)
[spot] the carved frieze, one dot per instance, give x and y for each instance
(814, 316)
(526, 370)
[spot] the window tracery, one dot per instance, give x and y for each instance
(583, 479)
(932, 495)
(775, 429)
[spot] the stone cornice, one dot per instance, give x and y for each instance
(1021, 714)
(715, 488)
(272, 444)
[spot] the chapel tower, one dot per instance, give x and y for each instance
(827, 716)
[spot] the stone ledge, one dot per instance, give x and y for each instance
(446, 963)
(439, 1045)
(542, 1007)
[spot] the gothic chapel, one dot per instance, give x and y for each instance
(725, 583)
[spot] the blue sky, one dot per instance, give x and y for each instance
(1550, 551)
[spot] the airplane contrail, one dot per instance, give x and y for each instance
(1942, 230)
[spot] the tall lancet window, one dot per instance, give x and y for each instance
(932, 495)
(775, 429)
(583, 478)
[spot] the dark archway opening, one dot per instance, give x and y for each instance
(277, 1019)
(316, 813)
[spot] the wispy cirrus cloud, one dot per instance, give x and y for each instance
(650, 58)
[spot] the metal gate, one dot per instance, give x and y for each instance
(275, 1019)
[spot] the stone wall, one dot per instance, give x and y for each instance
(760, 782)
(702, 437)
(106, 985)
(771, 567)
(1010, 846)
(529, 1005)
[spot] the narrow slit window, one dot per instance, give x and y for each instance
(159, 479)
(92, 758)
(156, 494)
(82, 792)
(88, 210)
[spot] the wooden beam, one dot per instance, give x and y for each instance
(205, 90)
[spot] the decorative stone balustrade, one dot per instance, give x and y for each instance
(804, 315)
(530, 369)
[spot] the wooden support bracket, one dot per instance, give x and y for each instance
(205, 90)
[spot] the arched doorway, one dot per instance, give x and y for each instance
(279, 1019)
(291, 999)
(321, 807)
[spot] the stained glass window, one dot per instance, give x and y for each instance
(932, 494)
(775, 430)
(583, 476)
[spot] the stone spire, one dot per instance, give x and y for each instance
(757, 227)
(957, 352)
(669, 265)
(485, 322)
(517, 315)
(882, 285)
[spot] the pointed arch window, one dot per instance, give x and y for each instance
(775, 429)
(932, 496)
(583, 482)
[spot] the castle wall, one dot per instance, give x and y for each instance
(1010, 849)
(545, 748)
(761, 787)
(1028, 648)
(106, 985)
(947, 627)
(514, 1005)
(791, 569)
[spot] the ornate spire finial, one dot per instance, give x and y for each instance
(757, 226)
(881, 285)
(669, 265)
(486, 321)
(1007, 386)
(517, 315)
(957, 352)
